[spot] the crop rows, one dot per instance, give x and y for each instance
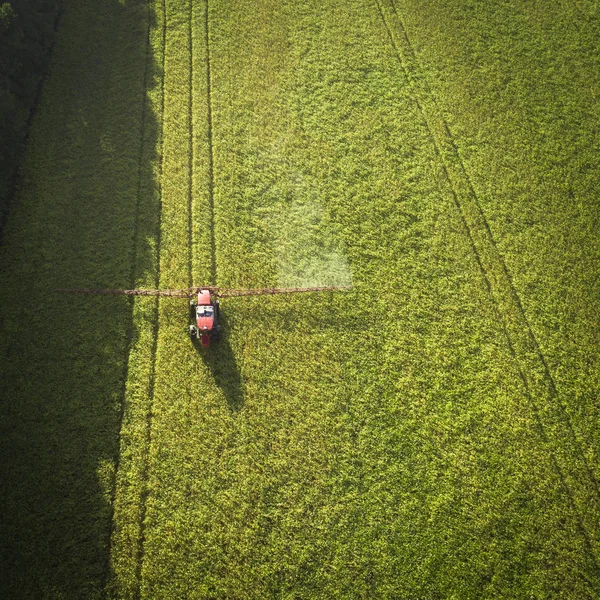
(418, 436)
(274, 494)
(185, 248)
(341, 156)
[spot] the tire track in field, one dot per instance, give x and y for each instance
(211, 157)
(191, 145)
(132, 279)
(554, 423)
(151, 385)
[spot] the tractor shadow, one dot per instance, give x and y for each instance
(220, 359)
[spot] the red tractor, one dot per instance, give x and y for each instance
(204, 314)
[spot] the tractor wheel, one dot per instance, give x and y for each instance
(217, 308)
(193, 333)
(192, 310)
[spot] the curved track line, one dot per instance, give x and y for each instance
(534, 408)
(488, 233)
(499, 282)
(505, 272)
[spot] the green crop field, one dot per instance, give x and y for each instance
(432, 433)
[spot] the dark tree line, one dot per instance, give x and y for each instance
(27, 31)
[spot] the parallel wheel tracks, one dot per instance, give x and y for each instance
(191, 154)
(523, 344)
(153, 352)
(210, 153)
(447, 152)
(191, 146)
(211, 177)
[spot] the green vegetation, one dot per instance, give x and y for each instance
(431, 434)
(520, 91)
(27, 30)
(63, 359)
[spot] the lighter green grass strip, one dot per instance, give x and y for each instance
(131, 477)
(175, 364)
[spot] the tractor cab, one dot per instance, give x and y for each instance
(204, 314)
(205, 317)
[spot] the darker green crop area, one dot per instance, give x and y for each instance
(431, 433)
(64, 358)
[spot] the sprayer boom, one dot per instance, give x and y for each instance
(215, 291)
(272, 291)
(203, 304)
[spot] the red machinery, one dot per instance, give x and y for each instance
(204, 313)
(204, 307)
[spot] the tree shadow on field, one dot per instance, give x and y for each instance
(220, 359)
(87, 194)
